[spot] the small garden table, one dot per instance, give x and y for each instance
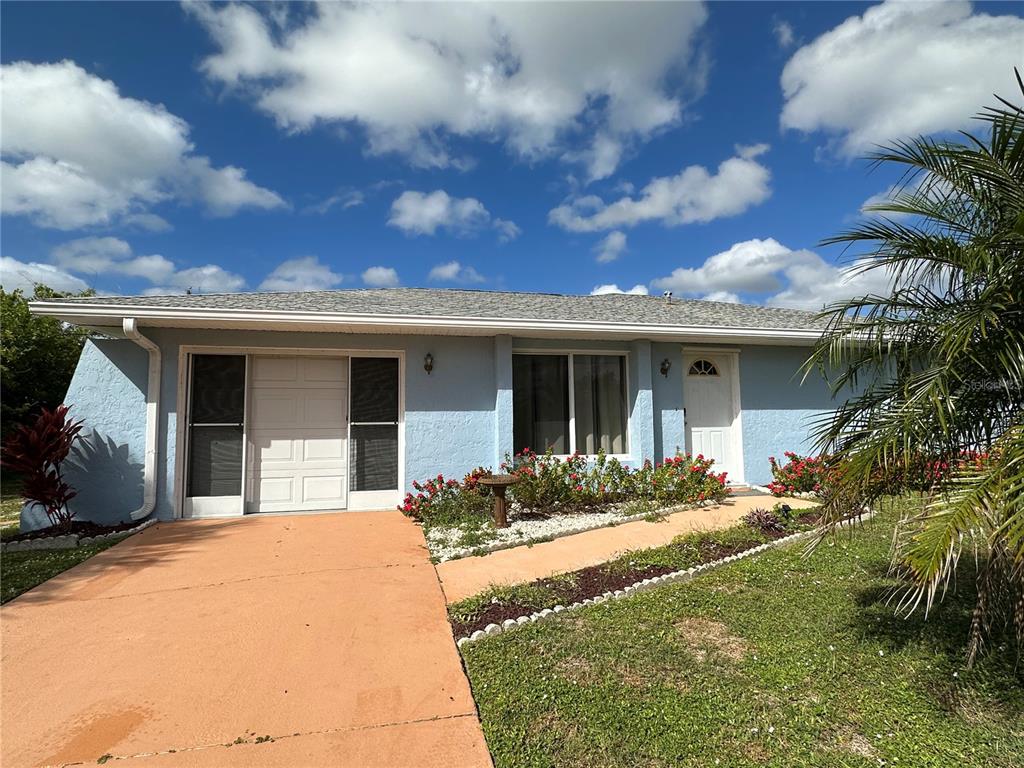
(498, 484)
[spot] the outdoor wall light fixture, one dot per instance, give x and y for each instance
(428, 363)
(666, 364)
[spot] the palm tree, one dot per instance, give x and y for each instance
(936, 368)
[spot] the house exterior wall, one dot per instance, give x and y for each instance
(779, 409)
(456, 418)
(107, 391)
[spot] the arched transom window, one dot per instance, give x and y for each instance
(703, 368)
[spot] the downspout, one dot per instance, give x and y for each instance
(131, 331)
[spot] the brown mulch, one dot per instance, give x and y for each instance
(81, 527)
(593, 581)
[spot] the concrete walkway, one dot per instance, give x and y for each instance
(327, 633)
(471, 575)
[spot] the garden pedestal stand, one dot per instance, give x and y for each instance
(498, 484)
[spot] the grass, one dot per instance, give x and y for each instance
(20, 571)
(10, 505)
(780, 660)
(684, 552)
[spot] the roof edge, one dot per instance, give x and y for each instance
(94, 314)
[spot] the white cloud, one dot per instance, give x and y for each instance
(537, 77)
(727, 297)
(111, 255)
(422, 213)
(16, 274)
(454, 272)
(602, 290)
(772, 274)
(77, 153)
(302, 274)
(343, 200)
(381, 277)
(693, 195)
(899, 70)
(784, 34)
(106, 257)
(507, 230)
(610, 247)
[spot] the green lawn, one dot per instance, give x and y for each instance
(10, 504)
(20, 571)
(779, 660)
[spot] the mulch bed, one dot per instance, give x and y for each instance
(81, 527)
(598, 579)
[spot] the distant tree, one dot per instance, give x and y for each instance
(38, 356)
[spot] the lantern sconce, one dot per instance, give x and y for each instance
(428, 363)
(666, 364)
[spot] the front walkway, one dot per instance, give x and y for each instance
(326, 633)
(471, 575)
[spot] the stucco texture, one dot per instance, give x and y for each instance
(108, 392)
(457, 417)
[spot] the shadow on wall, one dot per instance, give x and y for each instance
(108, 481)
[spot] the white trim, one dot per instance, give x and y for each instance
(732, 356)
(179, 317)
(568, 353)
(153, 383)
(185, 351)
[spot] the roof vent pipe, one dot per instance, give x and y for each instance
(131, 331)
(668, 297)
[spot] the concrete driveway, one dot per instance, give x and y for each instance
(326, 633)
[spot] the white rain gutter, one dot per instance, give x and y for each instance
(128, 325)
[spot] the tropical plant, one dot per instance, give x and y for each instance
(37, 453)
(936, 367)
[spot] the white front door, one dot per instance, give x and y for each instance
(297, 435)
(711, 410)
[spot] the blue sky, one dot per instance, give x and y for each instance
(706, 149)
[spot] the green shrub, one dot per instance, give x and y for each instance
(547, 483)
(448, 502)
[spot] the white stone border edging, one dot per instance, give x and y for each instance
(71, 540)
(651, 583)
(487, 549)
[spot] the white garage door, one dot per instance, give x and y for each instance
(297, 433)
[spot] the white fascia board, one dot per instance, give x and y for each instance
(101, 314)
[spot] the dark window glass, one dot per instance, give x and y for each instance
(373, 449)
(599, 407)
(218, 389)
(217, 410)
(374, 389)
(215, 461)
(540, 403)
(373, 434)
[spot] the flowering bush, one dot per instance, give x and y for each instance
(800, 474)
(546, 482)
(448, 502)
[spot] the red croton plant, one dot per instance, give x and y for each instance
(36, 452)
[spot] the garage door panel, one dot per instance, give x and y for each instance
(323, 488)
(274, 370)
(298, 433)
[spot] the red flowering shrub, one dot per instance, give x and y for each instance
(800, 474)
(547, 482)
(37, 453)
(448, 502)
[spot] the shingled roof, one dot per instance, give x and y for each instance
(473, 304)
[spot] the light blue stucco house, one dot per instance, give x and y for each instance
(214, 405)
